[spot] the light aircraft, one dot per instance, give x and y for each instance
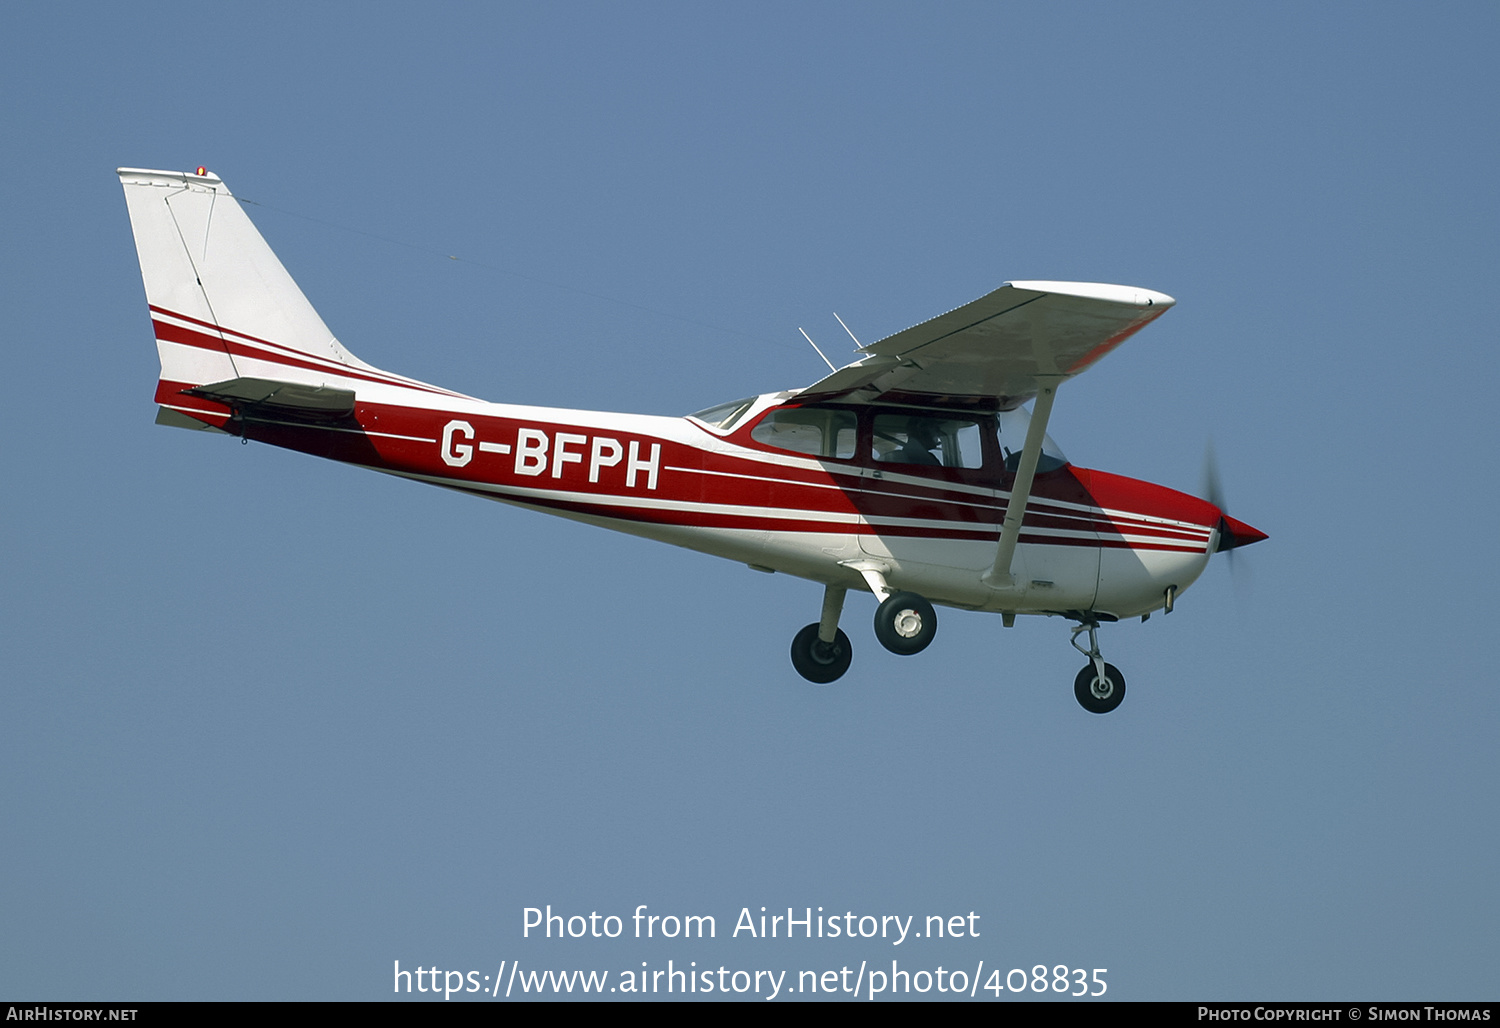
(914, 473)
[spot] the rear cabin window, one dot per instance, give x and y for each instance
(928, 440)
(815, 431)
(725, 414)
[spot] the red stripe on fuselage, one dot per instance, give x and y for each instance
(741, 492)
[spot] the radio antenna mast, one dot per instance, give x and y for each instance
(851, 334)
(815, 347)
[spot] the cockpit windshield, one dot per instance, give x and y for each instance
(1012, 426)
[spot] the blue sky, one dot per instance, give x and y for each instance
(272, 723)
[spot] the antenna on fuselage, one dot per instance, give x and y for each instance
(851, 334)
(815, 347)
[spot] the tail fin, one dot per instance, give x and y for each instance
(224, 309)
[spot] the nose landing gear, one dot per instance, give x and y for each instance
(1099, 687)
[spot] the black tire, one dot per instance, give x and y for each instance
(1100, 700)
(818, 661)
(905, 623)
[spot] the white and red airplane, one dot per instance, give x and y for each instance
(914, 473)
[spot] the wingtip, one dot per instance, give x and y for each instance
(1132, 295)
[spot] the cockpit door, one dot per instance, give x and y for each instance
(939, 519)
(930, 497)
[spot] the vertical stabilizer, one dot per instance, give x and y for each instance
(222, 304)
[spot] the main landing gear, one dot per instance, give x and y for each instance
(905, 623)
(819, 661)
(821, 651)
(1099, 687)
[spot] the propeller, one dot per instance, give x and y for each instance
(1212, 488)
(1232, 533)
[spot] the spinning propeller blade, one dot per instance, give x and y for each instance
(1233, 533)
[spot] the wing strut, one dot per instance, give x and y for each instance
(1020, 492)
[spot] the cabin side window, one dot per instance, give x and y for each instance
(928, 440)
(725, 415)
(816, 431)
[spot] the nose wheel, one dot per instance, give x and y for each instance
(1099, 694)
(1099, 687)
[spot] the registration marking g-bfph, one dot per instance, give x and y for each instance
(536, 451)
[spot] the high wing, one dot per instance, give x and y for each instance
(1009, 346)
(1000, 349)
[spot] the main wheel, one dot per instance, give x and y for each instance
(818, 661)
(905, 623)
(1099, 696)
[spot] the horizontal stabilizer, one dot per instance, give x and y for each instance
(321, 403)
(176, 419)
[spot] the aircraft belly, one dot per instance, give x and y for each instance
(812, 555)
(745, 545)
(950, 571)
